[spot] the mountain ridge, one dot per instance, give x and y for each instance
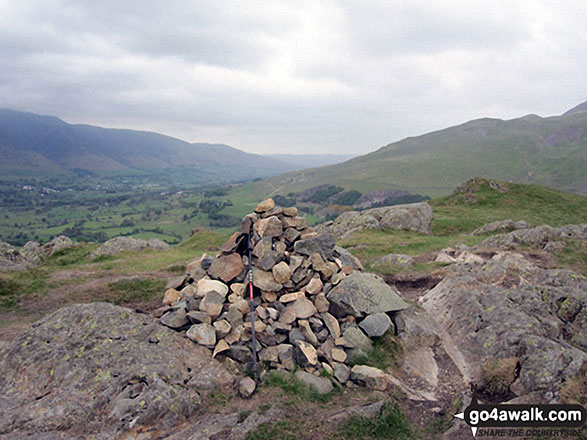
(31, 142)
(550, 151)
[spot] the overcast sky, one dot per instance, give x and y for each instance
(292, 76)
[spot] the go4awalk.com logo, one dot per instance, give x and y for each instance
(527, 420)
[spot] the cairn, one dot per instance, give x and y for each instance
(314, 306)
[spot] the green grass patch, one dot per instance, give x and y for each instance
(9, 292)
(573, 256)
(136, 290)
(391, 423)
(293, 387)
(387, 352)
(536, 204)
(71, 256)
(369, 245)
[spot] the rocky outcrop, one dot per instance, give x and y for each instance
(32, 253)
(538, 237)
(416, 217)
(11, 258)
(99, 368)
(117, 245)
(499, 309)
(500, 226)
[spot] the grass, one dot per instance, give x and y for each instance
(136, 290)
(573, 256)
(295, 388)
(536, 204)
(387, 351)
(391, 423)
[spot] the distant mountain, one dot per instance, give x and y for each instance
(31, 143)
(548, 151)
(579, 108)
(303, 161)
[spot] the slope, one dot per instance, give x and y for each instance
(547, 151)
(35, 143)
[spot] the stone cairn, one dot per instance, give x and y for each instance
(313, 305)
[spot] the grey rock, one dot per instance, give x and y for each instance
(246, 387)
(58, 244)
(265, 281)
(361, 294)
(538, 236)
(33, 252)
(347, 258)
(11, 258)
(175, 319)
(203, 334)
(359, 343)
(371, 377)
(415, 217)
(341, 372)
(376, 324)
(323, 244)
(500, 226)
(87, 368)
(241, 353)
(117, 245)
(321, 385)
(198, 317)
(400, 260)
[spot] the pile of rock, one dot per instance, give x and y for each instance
(313, 305)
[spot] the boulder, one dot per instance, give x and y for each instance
(376, 324)
(11, 258)
(321, 385)
(101, 370)
(246, 387)
(370, 377)
(226, 267)
(323, 244)
(415, 217)
(361, 294)
(395, 260)
(175, 319)
(265, 205)
(203, 334)
(265, 281)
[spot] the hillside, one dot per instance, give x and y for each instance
(500, 311)
(31, 143)
(548, 151)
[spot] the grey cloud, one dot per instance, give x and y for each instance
(305, 76)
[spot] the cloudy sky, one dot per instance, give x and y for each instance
(292, 76)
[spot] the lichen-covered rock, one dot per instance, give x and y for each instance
(415, 217)
(538, 236)
(59, 243)
(11, 258)
(395, 260)
(117, 245)
(500, 226)
(510, 308)
(101, 369)
(361, 294)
